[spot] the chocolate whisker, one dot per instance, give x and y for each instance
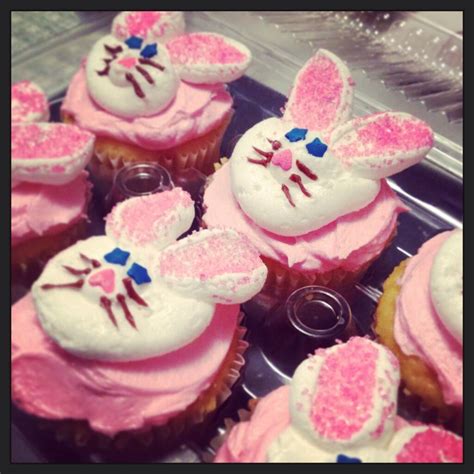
(136, 86)
(258, 162)
(132, 294)
(145, 74)
(126, 311)
(275, 144)
(287, 193)
(95, 263)
(113, 50)
(107, 305)
(75, 284)
(151, 63)
(77, 271)
(306, 171)
(297, 179)
(267, 154)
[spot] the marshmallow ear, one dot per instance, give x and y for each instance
(49, 153)
(218, 265)
(29, 103)
(148, 25)
(208, 58)
(425, 444)
(346, 395)
(382, 144)
(153, 221)
(321, 97)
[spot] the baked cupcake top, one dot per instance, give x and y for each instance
(49, 185)
(428, 319)
(340, 407)
(134, 316)
(150, 74)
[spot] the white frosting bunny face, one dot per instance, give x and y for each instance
(296, 174)
(446, 284)
(133, 73)
(343, 403)
(117, 297)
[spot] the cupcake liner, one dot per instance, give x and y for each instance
(29, 258)
(137, 444)
(421, 392)
(200, 153)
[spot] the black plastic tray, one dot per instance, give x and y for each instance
(435, 198)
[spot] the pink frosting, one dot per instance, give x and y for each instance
(347, 243)
(42, 209)
(113, 397)
(196, 110)
(418, 329)
(248, 441)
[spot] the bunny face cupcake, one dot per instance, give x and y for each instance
(50, 191)
(340, 407)
(150, 92)
(308, 189)
(419, 317)
(142, 329)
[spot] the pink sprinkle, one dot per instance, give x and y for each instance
(53, 140)
(390, 134)
(432, 445)
(317, 95)
(207, 48)
(128, 62)
(140, 23)
(26, 100)
(343, 402)
(103, 278)
(216, 255)
(58, 169)
(283, 159)
(142, 219)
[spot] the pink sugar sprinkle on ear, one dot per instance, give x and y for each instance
(204, 48)
(128, 62)
(389, 134)
(433, 446)
(27, 99)
(283, 159)
(219, 254)
(316, 97)
(139, 23)
(52, 140)
(344, 399)
(142, 219)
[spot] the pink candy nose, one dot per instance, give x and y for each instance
(283, 159)
(103, 278)
(128, 62)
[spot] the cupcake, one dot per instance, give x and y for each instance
(150, 92)
(419, 318)
(340, 407)
(309, 188)
(50, 191)
(131, 335)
